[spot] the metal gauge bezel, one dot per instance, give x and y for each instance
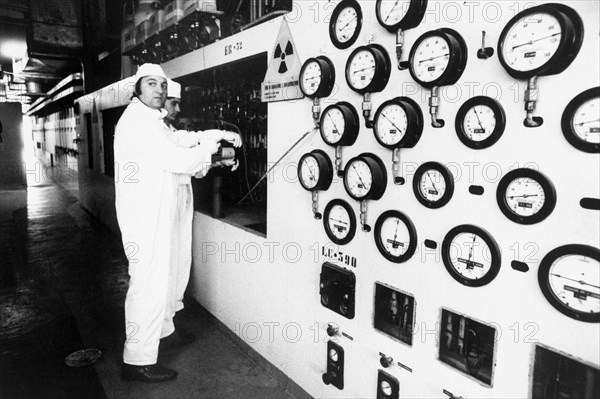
(457, 57)
(499, 115)
(327, 76)
(568, 47)
(543, 181)
(378, 173)
(448, 179)
(325, 170)
(383, 68)
(332, 23)
(567, 121)
(413, 17)
(496, 259)
(545, 285)
(351, 123)
(351, 217)
(412, 234)
(414, 117)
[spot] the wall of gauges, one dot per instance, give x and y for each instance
(451, 188)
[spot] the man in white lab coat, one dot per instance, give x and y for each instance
(145, 163)
(181, 237)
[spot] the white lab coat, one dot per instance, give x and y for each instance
(145, 163)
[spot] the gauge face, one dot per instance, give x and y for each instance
(569, 277)
(395, 236)
(358, 178)
(361, 69)
(391, 125)
(480, 122)
(368, 69)
(541, 40)
(339, 222)
(317, 77)
(433, 185)
(471, 255)
(431, 59)
(397, 15)
(315, 171)
(345, 24)
(333, 355)
(385, 388)
(526, 196)
(531, 41)
(581, 121)
(339, 124)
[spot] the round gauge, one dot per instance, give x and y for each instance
(365, 177)
(368, 69)
(433, 185)
(339, 124)
(317, 77)
(315, 171)
(471, 255)
(345, 24)
(438, 58)
(395, 236)
(541, 40)
(333, 355)
(526, 196)
(339, 221)
(581, 121)
(396, 15)
(569, 277)
(398, 123)
(480, 122)
(386, 388)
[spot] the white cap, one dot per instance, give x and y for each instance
(149, 70)
(173, 89)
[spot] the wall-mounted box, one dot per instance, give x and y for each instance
(173, 13)
(141, 31)
(191, 6)
(156, 22)
(338, 289)
(127, 38)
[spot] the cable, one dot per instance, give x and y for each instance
(276, 163)
(237, 129)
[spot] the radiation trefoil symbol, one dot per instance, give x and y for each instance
(289, 50)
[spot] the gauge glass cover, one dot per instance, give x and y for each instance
(310, 172)
(333, 355)
(311, 78)
(386, 388)
(525, 196)
(361, 69)
(345, 23)
(431, 59)
(432, 185)
(359, 178)
(333, 125)
(339, 222)
(391, 124)
(395, 236)
(586, 121)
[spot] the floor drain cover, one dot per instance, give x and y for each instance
(83, 357)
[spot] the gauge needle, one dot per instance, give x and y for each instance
(478, 120)
(432, 183)
(382, 114)
(522, 196)
(536, 40)
(347, 23)
(583, 123)
(358, 175)
(339, 221)
(390, 13)
(313, 77)
(311, 173)
(433, 58)
(471, 250)
(364, 69)
(577, 281)
(332, 121)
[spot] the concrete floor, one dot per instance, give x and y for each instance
(63, 279)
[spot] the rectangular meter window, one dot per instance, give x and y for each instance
(467, 345)
(394, 313)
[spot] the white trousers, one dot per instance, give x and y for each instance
(181, 256)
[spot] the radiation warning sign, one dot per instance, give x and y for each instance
(282, 80)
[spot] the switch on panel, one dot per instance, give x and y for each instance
(337, 289)
(388, 387)
(335, 366)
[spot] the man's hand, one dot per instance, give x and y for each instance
(218, 135)
(233, 138)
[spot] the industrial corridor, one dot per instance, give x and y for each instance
(63, 279)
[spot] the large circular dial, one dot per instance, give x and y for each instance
(339, 124)
(365, 177)
(526, 196)
(339, 222)
(398, 123)
(345, 24)
(433, 185)
(368, 69)
(438, 58)
(480, 122)
(569, 277)
(541, 40)
(315, 171)
(581, 121)
(471, 255)
(395, 236)
(317, 77)
(394, 15)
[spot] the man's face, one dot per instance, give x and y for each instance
(172, 107)
(153, 91)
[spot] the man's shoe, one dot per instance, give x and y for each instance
(177, 339)
(150, 373)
